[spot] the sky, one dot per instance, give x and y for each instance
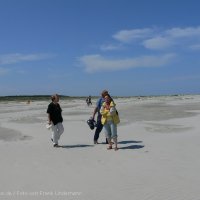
(81, 47)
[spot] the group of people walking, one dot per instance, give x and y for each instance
(107, 118)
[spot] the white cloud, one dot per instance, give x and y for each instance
(94, 63)
(183, 32)
(127, 36)
(158, 43)
(3, 71)
(6, 59)
(151, 38)
(155, 38)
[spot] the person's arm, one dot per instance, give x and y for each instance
(96, 108)
(104, 111)
(94, 113)
(49, 118)
(112, 110)
(48, 113)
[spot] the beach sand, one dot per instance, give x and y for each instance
(158, 156)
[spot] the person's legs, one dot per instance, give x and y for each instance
(55, 134)
(98, 130)
(107, 129)
(114, 133)
(57, 131)
(60, 129)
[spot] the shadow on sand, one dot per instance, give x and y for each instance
(75, 146)
(134, 146)
(129, 141)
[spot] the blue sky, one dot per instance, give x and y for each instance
(80, 47)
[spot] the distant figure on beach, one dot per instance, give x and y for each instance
(89, 101)
(110, 119)
(99, 125)
(55, 118)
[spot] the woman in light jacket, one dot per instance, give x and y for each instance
(110, 119)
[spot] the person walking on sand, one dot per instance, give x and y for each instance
(88, 101)
(99, 125)
(55, 119)
(110, 119)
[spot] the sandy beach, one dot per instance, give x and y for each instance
(158, 156)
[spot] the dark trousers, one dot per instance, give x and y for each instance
(98, 130)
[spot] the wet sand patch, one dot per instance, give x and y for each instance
(155, 112)
(166, 128)
(27, 120)
(12, 135)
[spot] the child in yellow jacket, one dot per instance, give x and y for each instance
(110, 119)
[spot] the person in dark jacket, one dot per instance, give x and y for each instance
(89, 101)
(55, 119)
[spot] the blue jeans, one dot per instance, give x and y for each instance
(110, 130)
